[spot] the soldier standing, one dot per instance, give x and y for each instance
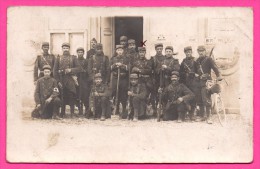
(191, 79)
(92, 50)
(143, 67)
(157, 62)
(42, 60)
(204, 66)
(137, 93)
(99, 103)
(46, 95)
(83, 91)
(131, 52)
(169, 65)
(99, 63)
(120, 63)
(176, 95)
(65, 69)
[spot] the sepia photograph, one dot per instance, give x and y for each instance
(129, 84)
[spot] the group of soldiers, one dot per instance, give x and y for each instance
(127, 84)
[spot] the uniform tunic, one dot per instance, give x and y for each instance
(84, 86)
(101, 103)
(170, 96)
(99, 64)
(138, 101)
(41, 61)
(47, 88)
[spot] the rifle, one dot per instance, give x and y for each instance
(129, 97)
(61, 73)
(117, 91)
(93, 95)
(160, 109)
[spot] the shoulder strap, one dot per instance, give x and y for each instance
(45, 60)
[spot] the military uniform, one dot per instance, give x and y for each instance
(91, 51)
(172, 65)
(68, 80)
(138, 99)
(99, 64)
(83, 91)
(100, 103)
(123, 81)
(47, 87)
(174, 108)
(204, 66)
(157, 62)
(189, 78)
(143, 67)
(42, 60)
(131, 53)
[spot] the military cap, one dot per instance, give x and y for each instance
(93, 39)
(45, 44)
(141, 49)
(119, 46)
(99, 45)
(131, 41)
(97, 75)
(80, 48)
(201, 48)
(175, 73)
(65, 44)
(187, 48)
(158, 45)
(123, 38)
(46, 67)
(169, 47)
(133, 76)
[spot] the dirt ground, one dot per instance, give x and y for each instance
(82, 140)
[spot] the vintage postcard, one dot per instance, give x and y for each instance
(129, 84)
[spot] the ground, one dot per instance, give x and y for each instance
(82, 140)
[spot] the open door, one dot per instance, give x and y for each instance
(132, 27)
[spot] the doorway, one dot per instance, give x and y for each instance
(132, 27)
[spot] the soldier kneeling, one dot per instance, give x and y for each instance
(46, 96)
(99, 102)
(137, 93)
(176, 97)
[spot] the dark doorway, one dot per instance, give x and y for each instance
(132, 27)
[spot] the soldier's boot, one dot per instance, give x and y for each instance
(179, 117)
(56, 113)
(87, 113)
(103, 115)
(135, 116)
(192, 115)
(209, 119)
(63, 108)
(72, 113)
(81, 109)
(204, 114)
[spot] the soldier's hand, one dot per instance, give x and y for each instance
(48, 100)
(38, 105)
(96, 94)
(180, 99)
(164, 66)
(60, 85)
(130, 93)
(118, 64)
(197, 75)
(160, 90)
(67, 71)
